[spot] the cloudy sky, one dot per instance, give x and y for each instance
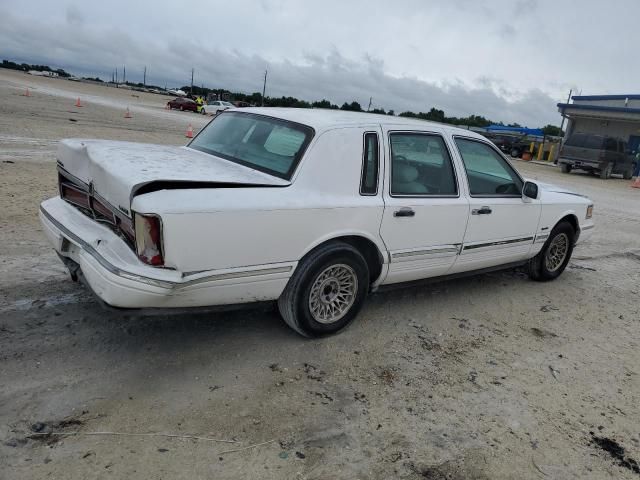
(509, 60)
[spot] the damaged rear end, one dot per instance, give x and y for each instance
(101, 238)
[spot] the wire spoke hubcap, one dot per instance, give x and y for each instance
(333, 293)
(557, 252)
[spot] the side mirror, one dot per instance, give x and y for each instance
(530, 190)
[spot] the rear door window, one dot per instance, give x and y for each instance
(421, 165)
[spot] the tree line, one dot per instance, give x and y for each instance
(434, 114)
(25, 67)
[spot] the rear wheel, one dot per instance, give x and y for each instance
(555, 254)
(326, 291)
(565, 168)
(606, 172)
(628, 173)
(515, 153)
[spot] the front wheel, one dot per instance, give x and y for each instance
(565, 168)
(326, 291)
(555, 254)
(515, 153)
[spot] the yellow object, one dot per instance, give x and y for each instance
(551, 153)
(540, 149)
(531, 148)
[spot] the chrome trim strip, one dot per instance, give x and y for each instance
(431, 251)
(502, 242)
(541, 238)
(232, 275)
(152, 281)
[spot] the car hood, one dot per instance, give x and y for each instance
(117, 171)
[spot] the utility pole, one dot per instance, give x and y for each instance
(264, 87)
(563, 117)
(124, 74)
(144, 77)
(191, 92)
(116, 78)
(369, 107)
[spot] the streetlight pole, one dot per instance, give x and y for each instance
(264, 87)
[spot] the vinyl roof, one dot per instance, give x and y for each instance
(322, 119)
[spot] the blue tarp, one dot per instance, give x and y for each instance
(522, 130)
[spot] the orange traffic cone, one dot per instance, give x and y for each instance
(189, 133)
(636, 184)
(27, 93)
(127, 114)
(78, 104)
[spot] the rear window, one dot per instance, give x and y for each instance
(594, 141)
(575, 140)
(267, 144)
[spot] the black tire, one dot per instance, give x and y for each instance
(538, 268)
(565, 168)
(515, 153)
(294, 301)
(628, 173)
(203, 111)
(606, 172)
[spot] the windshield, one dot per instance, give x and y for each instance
(267, 144)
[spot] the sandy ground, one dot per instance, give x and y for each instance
(491, 377)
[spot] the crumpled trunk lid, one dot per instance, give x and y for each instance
(116, 171)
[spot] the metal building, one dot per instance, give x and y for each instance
(614, 115)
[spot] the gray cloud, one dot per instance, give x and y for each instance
(510, 61)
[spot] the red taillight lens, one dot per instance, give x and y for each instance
(149, 239)
(74, 195)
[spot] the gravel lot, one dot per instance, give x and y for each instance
(489, 377)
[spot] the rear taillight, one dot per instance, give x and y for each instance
(149, 239)
(74, 195)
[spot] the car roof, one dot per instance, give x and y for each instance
(323, 119)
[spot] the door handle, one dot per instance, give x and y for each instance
(481, 211)
(404, 212)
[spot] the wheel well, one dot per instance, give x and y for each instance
(573, 221)
(369, 251)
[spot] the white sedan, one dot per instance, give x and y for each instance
(215, 107)
(312, 208)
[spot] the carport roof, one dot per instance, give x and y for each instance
(630, 96)
(601, 112)
(564, 106)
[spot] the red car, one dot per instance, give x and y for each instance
(183, 104)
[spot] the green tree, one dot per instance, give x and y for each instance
(552, 130)
(352, 107)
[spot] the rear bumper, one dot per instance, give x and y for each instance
(118, 278)
(580, 163)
